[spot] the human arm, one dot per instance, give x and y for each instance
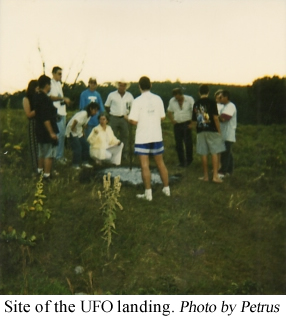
(224, 117)
(216, 121)
(171, 117)
(48, 126)
(73, 126)
(27, 108)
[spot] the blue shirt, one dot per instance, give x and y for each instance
(86, 98)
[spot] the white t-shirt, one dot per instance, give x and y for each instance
(228, 127)
(184, 114)
(147, 110)
(219, 107)
(57, 91)
(82, 119)
(119, 106)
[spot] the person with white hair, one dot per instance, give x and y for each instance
(118, 105)
(87, 96)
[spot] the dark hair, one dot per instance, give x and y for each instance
(204, 89)
(56, 69)
(225, 93)
(43, 81)
(145, 83)
(103, 114)
(177, 91)
(91, 106)
(32, 85)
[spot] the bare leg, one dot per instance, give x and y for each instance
(205, 168)
(41, 163)
(162, 169)
(215, 168)
(48, 165)
(145, 171)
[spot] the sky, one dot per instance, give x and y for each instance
(206, 41)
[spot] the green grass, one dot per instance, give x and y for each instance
(204, 239)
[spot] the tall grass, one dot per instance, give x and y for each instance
(204, 239)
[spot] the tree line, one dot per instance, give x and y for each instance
(263, 102)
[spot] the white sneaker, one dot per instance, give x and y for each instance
(144, 196)
(220, 175)
(76, 167)
(87, 165)
(166, 191)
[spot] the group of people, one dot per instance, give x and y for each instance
(93, 131)
(215, 121)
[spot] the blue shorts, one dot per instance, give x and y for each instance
(151, 148)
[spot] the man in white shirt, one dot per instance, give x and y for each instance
(118, 105)
(60, 102)
(180, 112)
(147, 113)
(228, 123)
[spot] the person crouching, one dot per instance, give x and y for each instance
(103, 143)
(75, 133)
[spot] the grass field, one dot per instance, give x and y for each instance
(205, 239)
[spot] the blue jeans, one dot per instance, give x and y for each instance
(61, 137)
(80, 149)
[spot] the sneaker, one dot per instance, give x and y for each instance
(144, 196)
(221, 175)
(76, 167)
(87, 165)
(47, 179)
(166, 191)
(62, 161)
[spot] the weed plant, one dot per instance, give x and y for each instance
(204, 239)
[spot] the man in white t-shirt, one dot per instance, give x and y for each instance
(118, 105)
(60, 102)
(147, 113)
(228, 123)
(180, 112)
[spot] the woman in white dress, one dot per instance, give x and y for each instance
(103, 143)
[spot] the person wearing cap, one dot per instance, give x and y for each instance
(87, 96)
(118, 105)
(180, 112)
(60, 102)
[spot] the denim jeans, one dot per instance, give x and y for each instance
(61, 137)
(80, 149)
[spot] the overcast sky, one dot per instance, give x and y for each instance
(210, 41)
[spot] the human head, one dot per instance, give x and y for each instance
(103, 119)
(217, 95)
(92, 83)
(204, 89)
(144, 83)
(225, 96)
(44, 83)
(92, 108)
(33, 87)
(178, 94)
(57, 73)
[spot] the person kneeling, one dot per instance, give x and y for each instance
(75, 133)
(103, 143)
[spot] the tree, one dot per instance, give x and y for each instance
(268, 98)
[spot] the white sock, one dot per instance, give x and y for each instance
(46, 175)
(40, 170)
